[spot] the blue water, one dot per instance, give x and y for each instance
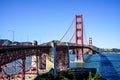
(107, 64)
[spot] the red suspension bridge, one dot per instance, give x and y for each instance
(19, 54)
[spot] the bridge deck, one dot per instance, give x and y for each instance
(11, 53)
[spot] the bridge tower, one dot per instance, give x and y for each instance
(90, 45)
(79, 37)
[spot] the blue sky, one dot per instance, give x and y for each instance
(46, 20)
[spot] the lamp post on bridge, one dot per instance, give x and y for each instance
(13, 34)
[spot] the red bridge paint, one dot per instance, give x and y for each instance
(79, 37)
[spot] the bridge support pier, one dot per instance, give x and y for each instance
(43, 61)
(34, 65)
(37, 64)
(81, 55)
(68, 56)
(53, 44)
(23, 68)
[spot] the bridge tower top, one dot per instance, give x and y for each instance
(79, 30)
(90, 44)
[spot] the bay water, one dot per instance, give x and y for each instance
(107, 64)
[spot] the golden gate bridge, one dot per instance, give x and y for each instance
(9, 54)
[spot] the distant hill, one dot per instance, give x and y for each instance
(58, 43)
(94, 47)
(106, 49)
(6, 42)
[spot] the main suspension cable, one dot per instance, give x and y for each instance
(67, 30)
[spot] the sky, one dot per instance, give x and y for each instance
(46, 20)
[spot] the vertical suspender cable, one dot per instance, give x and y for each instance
(72, 37)
(85, 37)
